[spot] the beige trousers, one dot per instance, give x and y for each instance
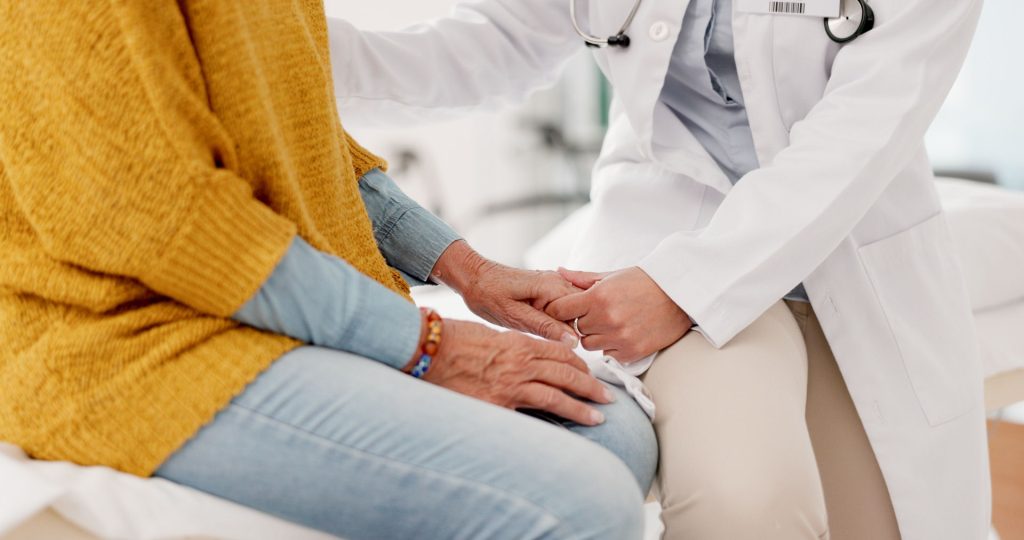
(760, 440)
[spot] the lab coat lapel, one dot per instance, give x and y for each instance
(783, 65)
(753, 40)
(639, 70)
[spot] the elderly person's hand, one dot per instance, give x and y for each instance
(516, 371)
(624, 313)
(505, 296)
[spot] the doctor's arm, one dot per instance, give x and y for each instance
(781, 221)
(486, 53)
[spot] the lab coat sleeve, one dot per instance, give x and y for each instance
(782, 221)
(485, 54)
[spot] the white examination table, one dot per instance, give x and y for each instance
(43, 501)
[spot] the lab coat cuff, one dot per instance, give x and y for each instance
(693, 295)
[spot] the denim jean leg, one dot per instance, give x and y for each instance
(349, 446)
(628, 433)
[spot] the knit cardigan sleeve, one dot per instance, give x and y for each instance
(116, 160)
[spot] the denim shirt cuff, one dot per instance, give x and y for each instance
(410, 237)
(422, 238)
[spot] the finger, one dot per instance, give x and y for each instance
(539, 323)
(551, 286)
(550, 350)
(547, 398)
(591, 323)
(624, 357)
(597, 342)
(596, 323)
(583, 280)
(571, 380)
(569, 307)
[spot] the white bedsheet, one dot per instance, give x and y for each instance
(112, 505)
(987, 224)
(1001, 332)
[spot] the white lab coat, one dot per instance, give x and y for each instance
(844, 200)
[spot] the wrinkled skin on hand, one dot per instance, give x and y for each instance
(516, 371)
(506, 296)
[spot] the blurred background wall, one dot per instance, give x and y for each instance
(504, 178)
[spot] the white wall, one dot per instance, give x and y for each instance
(982, 124)
(467, 164)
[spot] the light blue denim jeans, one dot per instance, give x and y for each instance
(357, 449)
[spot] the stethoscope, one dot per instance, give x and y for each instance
(855, 19)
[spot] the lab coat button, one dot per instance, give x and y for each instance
(659, 31)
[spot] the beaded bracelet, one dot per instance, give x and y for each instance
(430, 344)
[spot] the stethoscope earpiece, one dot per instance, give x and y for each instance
(620, 39)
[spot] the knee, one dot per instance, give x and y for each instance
(628, 433)
(769, 502)
(604, 501)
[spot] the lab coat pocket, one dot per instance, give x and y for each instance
(919, 286)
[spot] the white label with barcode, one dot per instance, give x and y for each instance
(807, 8)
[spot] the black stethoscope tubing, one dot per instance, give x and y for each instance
(862, 24)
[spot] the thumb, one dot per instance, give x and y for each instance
(583, 280)
(541, 324)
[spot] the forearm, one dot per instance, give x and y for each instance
(322, 300)
(459, 267)
(410, 237)
(498, 50)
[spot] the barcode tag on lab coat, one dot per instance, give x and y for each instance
(808, 8)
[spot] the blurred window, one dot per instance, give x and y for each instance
(980, 131)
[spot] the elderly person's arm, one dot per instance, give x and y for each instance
(320, 299)
(426, 250)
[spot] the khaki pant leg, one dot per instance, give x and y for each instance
(855, 493)
(736, 458)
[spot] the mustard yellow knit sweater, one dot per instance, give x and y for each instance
(156, 159)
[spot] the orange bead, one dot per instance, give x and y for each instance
(430, 348)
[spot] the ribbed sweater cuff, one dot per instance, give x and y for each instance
(364, 161)
(224, 252)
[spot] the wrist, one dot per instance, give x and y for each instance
(459, 267)
(417, 352)
(431, 328)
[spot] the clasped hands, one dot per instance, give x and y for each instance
(623, 313)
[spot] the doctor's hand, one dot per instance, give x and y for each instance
(623, 313)
(516, 371)
(503, 295)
